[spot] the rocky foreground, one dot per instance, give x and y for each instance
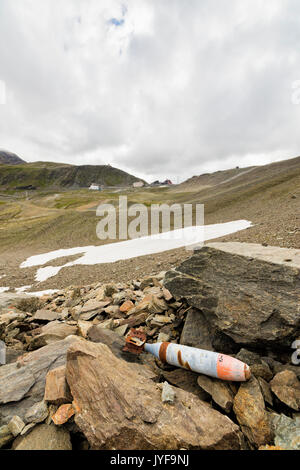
(68, 384)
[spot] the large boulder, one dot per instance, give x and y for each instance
(117, 407)
(247, 300)
(22, 384)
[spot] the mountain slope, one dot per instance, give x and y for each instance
(267, 195)
(239, 176)
(244, 181)
(8, 158)
(54, 175)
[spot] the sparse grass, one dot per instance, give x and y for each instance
(45, 175)
(54, 219)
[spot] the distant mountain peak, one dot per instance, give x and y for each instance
(9, 158)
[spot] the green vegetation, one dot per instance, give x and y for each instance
(42, 175)
(52, 218)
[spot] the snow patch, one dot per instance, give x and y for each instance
(190, 237)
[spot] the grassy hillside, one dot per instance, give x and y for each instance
(43, 175)
(52, 218)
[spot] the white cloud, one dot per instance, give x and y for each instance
(168, 89)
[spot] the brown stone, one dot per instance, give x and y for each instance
(249, 407)
(126, 306)
(286, 387)
(5, 436)
(93, 305)
(46, 315)
(151, 304)
(44, 437)
(220, 392)
(160, 320)
(83, 328)
(16, 425)
(57, 390)
(262, 370)
(54, 331)
(167, 294)
(116, 345)
(113, 311)
(128, 412)
(187, 381)
(134, 321)
(63, 414)
(266, 391)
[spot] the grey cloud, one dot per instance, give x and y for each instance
(179, 88)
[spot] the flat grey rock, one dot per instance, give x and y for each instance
(245, 299)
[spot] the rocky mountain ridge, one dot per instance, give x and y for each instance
(9, 158)
(16, 174)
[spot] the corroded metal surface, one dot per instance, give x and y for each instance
(135, 342)
(198, 360)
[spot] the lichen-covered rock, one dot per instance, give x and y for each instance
(37, 413)
(287, 431)
(286, 387)
(249, 408)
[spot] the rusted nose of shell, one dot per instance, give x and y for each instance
(247, 372)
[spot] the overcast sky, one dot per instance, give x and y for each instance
(159, 88)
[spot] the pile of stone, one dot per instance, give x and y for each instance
(67, 382)
(118, 307)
